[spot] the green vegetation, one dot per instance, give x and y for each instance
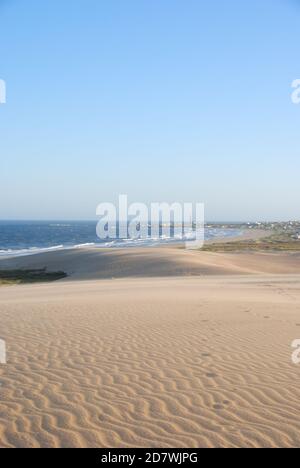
(29, 276)
(279, 242)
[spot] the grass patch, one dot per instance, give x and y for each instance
(275, 243)
(29, 276)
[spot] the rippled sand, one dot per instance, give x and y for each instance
(152, 362)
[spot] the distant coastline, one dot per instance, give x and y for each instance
(29, 238)
(23, 238)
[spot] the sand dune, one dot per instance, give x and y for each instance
(152, 362)
(155, 262)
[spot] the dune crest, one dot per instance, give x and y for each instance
(93, 263)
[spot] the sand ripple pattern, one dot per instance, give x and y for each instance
(150, 363)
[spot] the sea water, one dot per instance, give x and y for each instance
(30, 237)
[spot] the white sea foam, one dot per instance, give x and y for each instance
(29, 251)
(122, 243)
(81, 246)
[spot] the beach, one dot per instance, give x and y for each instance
(152, 348)
(149, 227)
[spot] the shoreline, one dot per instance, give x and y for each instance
(152, 347)
(10, 254)
(166, 261)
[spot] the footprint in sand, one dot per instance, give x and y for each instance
(218, 407)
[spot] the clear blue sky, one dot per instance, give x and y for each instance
(165, 100)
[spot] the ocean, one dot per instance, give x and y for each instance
(30, 237)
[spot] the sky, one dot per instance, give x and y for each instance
(162, 100)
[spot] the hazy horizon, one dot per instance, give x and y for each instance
(94, 220)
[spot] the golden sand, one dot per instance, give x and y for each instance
(197, 353)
